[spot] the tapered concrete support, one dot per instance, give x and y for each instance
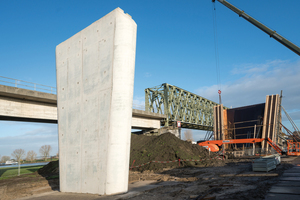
(95, 75)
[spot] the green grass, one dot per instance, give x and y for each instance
(41, 160)
(9, 172)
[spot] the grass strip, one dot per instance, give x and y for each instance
(13, 171)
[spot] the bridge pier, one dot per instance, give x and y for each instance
(95, 75)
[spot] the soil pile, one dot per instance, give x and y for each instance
(52, 168)
(167, 147)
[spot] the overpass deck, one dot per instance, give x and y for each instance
(18, 104)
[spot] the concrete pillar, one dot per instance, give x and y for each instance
(95, 75)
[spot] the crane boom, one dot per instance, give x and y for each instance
(262, 27)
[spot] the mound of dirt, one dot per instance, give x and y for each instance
(52, 168)
(167, 147)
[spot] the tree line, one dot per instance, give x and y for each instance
(31, 156)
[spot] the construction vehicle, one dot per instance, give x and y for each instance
(293, 148)
(270, 32)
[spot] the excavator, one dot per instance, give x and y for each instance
(293, 147)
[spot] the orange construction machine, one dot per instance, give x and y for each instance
(293, 148)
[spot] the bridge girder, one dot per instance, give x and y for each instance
(194, 111)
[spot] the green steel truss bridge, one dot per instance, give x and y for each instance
(194, 111)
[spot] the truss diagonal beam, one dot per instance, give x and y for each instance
(192, 110)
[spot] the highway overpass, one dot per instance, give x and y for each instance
(18, 104)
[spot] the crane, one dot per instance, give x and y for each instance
(270, 32)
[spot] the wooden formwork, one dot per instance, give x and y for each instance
(215, 123)
(267, 126)
(225, 128)
(219, 122)
(271, 117)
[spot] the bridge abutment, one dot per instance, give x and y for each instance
(95, 76)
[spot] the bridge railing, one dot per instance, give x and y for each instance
(27, 85)
(138, 106)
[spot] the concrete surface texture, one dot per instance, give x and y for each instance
(144, 123)
(146, 120)
(95, 76)
(27, 105)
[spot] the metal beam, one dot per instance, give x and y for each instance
(194, 111)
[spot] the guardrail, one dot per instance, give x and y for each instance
(138, 107)
(42, 88)
(27, 85)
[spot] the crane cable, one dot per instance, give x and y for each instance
(216, 51)
(297, 131)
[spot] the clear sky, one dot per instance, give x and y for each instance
(175, 45)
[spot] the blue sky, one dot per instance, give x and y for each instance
(175, 45)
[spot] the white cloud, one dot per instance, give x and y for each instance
(258, 80)
(147, 74)
(254, 68)
(33, 139)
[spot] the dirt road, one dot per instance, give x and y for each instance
(234, 180)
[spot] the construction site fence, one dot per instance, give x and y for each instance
(179, 160)
(253, 152)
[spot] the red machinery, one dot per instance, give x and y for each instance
(214, 145)
(293, 148)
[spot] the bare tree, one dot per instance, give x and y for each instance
(188, 135)
(18, 154)
(5, 158)
(31, 156)
(45, 151)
